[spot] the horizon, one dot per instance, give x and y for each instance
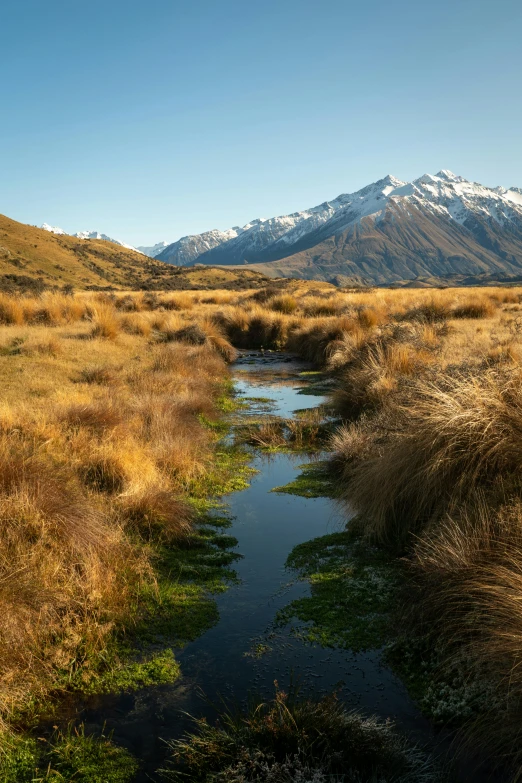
(153, 126)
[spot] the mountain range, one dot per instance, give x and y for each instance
(438, 226)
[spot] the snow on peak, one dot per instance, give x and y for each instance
(389, 179)
(444, 194)
(449, 176)
(91, 235)
(52, 229)
(97, 235)
(153, 250)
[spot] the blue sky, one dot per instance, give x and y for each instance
(151, 120)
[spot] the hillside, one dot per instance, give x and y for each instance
(35, 259)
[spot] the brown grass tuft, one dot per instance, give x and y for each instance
(97, 415)
(445, 439)
(103, 376)
(286, 303)
(106, 323)
(157, 514)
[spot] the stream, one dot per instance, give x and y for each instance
(219, 664)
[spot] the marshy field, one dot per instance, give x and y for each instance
(134, 425)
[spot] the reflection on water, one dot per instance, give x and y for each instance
(220, 664)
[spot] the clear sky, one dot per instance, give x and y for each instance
(152, 119)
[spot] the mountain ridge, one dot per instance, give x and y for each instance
(449, 226)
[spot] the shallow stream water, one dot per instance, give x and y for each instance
(219, 664)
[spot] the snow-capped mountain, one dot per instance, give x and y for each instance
(153, 250)
(52, 229)
(97, 235)
(438, 224)
(188, 249)
(91, 235)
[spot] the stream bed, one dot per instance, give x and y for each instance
(223, 663)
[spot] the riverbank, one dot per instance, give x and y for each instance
(109, 441)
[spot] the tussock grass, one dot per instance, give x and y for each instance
(290, 738)
(104, 376)
(429, 458)
(286, 303)
(445, 439)
(467, 576)
(106, 322)
(100, 439)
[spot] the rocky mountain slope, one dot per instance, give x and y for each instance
(437, 226)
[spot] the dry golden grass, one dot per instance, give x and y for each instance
(465, 592)
(434, 446)
(99, 437)
(430, 460)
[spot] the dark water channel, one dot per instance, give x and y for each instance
(218, 664)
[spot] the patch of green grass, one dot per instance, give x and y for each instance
(160, 669)
(353, 592)
(230, 472)
(64, 758)
(228, 401)
(314, 482)
(175, 610)
(182, 605)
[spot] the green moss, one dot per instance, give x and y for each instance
(353, 589)
(228, 401)
(258, 650)
(160, 669)
(65, 757)
(320, 386)
(448, 695)
(314, 482)
(182, 605)
(230, 472)
(177, 608)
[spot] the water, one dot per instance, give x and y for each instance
(219, 664)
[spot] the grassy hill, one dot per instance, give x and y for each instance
(34, 259)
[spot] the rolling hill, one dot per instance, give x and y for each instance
(35, 259)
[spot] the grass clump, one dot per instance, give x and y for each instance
(443, 441)
(306, 432)
(291, 738)
(64, 757)
(283, 304)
